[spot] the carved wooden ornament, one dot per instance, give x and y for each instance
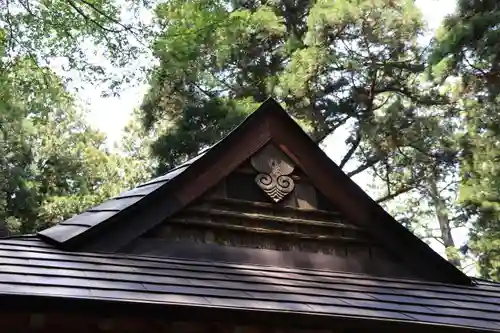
(274, 167)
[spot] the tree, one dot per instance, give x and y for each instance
(467, 48)
(52, 164)
(79, 34)
(134, 149)
(327, 62)
(480, 190)
(424, 168)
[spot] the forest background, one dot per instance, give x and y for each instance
(97, 96)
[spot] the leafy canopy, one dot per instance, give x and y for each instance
(328, 62)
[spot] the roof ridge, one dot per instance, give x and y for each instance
(485, 280)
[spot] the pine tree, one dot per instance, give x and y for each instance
(328, 62)
(467, 48)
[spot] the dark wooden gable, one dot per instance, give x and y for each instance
(238, 221)
(214, 204)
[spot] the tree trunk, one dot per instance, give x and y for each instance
(443, 220)
(4, 231)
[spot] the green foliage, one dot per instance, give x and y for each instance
(468, 47)
(423, 158)
(195, 129)
(480, 190)
(52, 164)
(79, 34)
(328, 62)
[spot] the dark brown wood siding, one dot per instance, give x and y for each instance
(236, 213)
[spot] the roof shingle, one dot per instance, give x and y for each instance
(31, 267)
(97, 215)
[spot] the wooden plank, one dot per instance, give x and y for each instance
(24, 243)
(306, 196)
(262, 207)
(265, 231)
(465, 322)
(268, 217)
(208, 320)
(309, 286)
(131, 225)
(360, 312)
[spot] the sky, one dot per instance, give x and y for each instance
(110, 114)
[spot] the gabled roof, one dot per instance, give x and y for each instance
(115, 223)
(38, 273)
(66, 232)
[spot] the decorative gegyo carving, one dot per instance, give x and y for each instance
(274, 167)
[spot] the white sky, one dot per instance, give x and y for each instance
(112, 113)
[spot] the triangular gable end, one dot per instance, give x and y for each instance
(268, 131)
(268, 212)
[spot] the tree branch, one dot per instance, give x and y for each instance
(483, 73)
(10, 29)
(26, 5)
(111, 19)
(350, 152)
(87, 17)
(439, 240)
(395, 194)
(371, 162)
(408, 94)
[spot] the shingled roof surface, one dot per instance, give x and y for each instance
(31, 267)
(98, 214)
